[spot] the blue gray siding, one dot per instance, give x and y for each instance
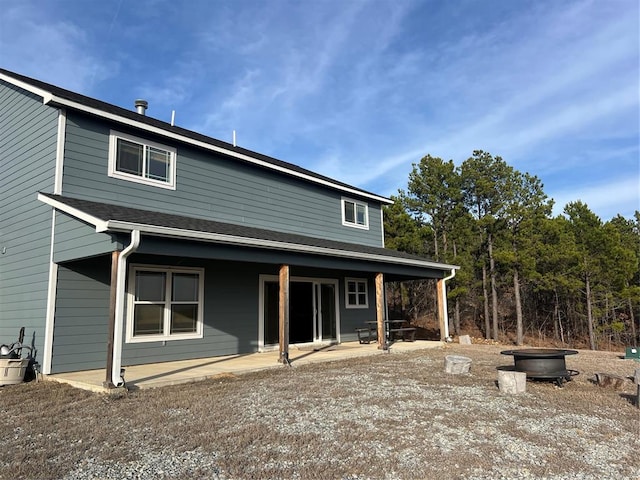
(230, 315)
(82, 315)
(28, 134)
(352, 318)
(75, 239)
(213, 187)
(231, 312)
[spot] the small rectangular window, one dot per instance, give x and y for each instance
(355, 214)
(356, 293)
(142, 161)
(165, 303)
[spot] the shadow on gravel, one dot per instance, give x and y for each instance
(631, 398)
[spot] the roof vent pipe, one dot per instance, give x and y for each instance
(141, 106)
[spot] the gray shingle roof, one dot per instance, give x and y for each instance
(136, 117)
(110, 212)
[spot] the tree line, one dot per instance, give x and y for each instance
(572, 277)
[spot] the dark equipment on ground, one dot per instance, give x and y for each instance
(543, 363)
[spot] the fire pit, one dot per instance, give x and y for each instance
(543, 363)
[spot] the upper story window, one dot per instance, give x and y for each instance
(355, 214)
(138, 160)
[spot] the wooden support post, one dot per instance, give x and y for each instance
(442, 308)
(382, 335)
(283, 315)
(112, 317)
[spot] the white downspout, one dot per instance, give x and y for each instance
(50, 317)
(445, 310)
(116, 378)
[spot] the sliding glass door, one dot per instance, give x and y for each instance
(313, 311)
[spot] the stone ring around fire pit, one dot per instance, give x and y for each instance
(543, 363)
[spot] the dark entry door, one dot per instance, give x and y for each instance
(312, 311)
(301, 312)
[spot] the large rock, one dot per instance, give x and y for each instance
(512, 382)
(457, 364)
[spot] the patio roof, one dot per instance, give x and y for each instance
(115, 218)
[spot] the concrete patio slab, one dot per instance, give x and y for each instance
(186, 371)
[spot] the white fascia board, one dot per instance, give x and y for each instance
(269, 244)
(99, 224)
(208, 146)
(26, 86)
(48, 97)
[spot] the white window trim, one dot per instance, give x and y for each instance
(346, 292)
(130, 338)
(113, 138)
(366, 213)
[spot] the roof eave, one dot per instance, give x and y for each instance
(48, 98)
(99, 224)
(102, 225)
(116, 225)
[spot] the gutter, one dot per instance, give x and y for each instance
(445, 310)
(116, 374)
(170, 232)
(47, 356)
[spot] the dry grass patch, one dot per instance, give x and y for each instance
(394, 416)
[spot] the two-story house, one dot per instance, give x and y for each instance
(126, 240)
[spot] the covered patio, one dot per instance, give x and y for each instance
(187, 371)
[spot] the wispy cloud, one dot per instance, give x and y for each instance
(360, 90)
(37, 44)
(604, 198)
(551, 85)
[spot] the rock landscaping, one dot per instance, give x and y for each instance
(392, 416)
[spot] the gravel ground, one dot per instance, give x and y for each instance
(395, 416)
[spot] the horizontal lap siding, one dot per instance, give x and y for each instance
(82, 315)
(212, 187)
(75, 239)
(28, 135)
(231, 312)
(230, 318)
(352, 318)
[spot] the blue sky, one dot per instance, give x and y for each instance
(360, 90)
